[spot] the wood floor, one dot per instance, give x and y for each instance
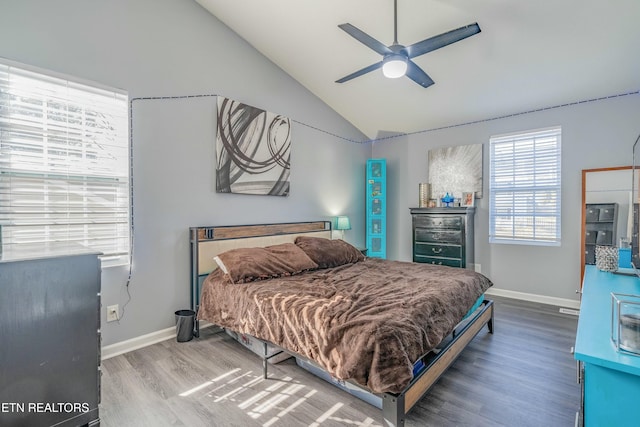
(522, 375)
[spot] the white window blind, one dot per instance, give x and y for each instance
(64, 163)
(525, 188)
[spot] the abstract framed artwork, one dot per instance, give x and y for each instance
(253, 150)
(456, 170)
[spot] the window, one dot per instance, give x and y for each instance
(64, 163)
(525, 188)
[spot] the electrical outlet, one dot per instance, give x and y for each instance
(478, 268)
(113, 313)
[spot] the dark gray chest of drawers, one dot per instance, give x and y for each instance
(50, 337)
(443, 236)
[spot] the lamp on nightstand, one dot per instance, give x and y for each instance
(342, 223)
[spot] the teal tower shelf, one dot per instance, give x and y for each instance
(376, 209)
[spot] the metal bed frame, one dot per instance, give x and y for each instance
(395, 406)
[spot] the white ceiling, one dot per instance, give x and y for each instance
(529, 55)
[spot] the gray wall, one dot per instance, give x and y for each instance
(594, 134)
(174, 47)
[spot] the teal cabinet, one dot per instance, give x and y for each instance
(610, 379)
(376, 208)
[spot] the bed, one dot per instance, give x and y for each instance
(389, 327)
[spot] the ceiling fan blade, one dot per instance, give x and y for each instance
(365, 39)
(416, 74)
(359, 73)
(436, 42)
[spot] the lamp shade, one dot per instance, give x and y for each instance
(342, 223)
(394, 66)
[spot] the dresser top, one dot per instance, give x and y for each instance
(442, 210)
(593, 340)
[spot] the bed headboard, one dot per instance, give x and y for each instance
(207, 242)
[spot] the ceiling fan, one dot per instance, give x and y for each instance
(396, 60)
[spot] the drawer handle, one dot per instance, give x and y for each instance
(436, 250)
(439, 263)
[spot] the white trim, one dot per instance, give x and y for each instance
(136, 343)
(126, 346)
(569, 311)
(525, 167)
(529, 133)
(543, 299)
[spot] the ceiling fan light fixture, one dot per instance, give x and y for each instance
(397, 58)
(394, 66)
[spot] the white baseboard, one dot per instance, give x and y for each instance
(136, 343)
(560, 302)
(126, 346)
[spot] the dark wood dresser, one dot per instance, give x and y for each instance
(443, 236)
(50, 330)
(600, 228)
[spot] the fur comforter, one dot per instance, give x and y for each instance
(368, 321)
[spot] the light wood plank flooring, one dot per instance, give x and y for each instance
(522, 375)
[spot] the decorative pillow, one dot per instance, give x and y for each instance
(329, 253)
(248, 264)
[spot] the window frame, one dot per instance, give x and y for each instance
(62, 150)
(544, 180)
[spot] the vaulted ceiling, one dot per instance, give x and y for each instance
(528, 55)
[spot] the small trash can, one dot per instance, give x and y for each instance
(185, 322)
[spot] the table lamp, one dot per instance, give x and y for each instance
(342, 223)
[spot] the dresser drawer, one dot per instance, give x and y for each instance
(604, 238)
(443, 236)
(438, 236)
(429, 249)
(450, 262)
(592, 214)
(606, 214)
(438, 222)
(590, 254)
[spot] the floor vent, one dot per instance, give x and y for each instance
(570, 311)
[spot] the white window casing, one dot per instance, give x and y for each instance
(64, 163)
(524, 188)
